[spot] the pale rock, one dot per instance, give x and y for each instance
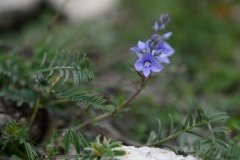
(151, 153)
(79, 10)
(13, 10)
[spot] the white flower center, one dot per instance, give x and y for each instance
(147, 64)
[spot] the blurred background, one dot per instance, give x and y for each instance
(204, 71)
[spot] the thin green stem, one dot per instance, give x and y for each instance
(178, 133)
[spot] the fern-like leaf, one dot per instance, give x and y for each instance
(86, 98)
(67, 65)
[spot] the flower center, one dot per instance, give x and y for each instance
(147, 64)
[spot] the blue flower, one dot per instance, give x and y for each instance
(162, 51)
(147, 63)
(161, 23)
(140, 49)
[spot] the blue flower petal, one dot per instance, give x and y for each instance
(166, 48)
(156, 67)
(135, 49)
(146, 71)
(156, 26)
(139, 66)
(141, 45)
(163, 58)
(167, 35)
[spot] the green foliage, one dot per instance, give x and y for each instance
(77, 140)
(86, 98)
(31, 153)
(97, 149)
(20, 96)
(71, 66)
(15, 132)
(15, 83)
(66, 65)
(15, 137)
(105, 149)
(211, 144)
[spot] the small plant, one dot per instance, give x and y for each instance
(15, 139)
(63, 80)
(91, 151)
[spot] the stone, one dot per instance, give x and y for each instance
(151, 153)
(13, 11)
(80, 10)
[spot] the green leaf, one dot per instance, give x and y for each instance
(115, 144)
(152, 137)
(171, 124)
(179, 128)
(119, 153)
(82, 140)
(159, 129)
(43, 60)
(31, 153)
(194, 133)
(76, 142)
(221, 129)
(67, 141)
(222, 143)
(64, 64)
(200, 115)
(188, 122)
(218, 117)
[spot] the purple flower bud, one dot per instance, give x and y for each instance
(164, 18)
(156, 26)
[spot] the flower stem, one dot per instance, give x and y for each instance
(117, 109)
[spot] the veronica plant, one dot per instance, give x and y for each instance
(151, 54)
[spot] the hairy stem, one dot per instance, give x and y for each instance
(117, 109)
(178, 133)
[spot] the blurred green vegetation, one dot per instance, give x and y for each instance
(204, 70)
